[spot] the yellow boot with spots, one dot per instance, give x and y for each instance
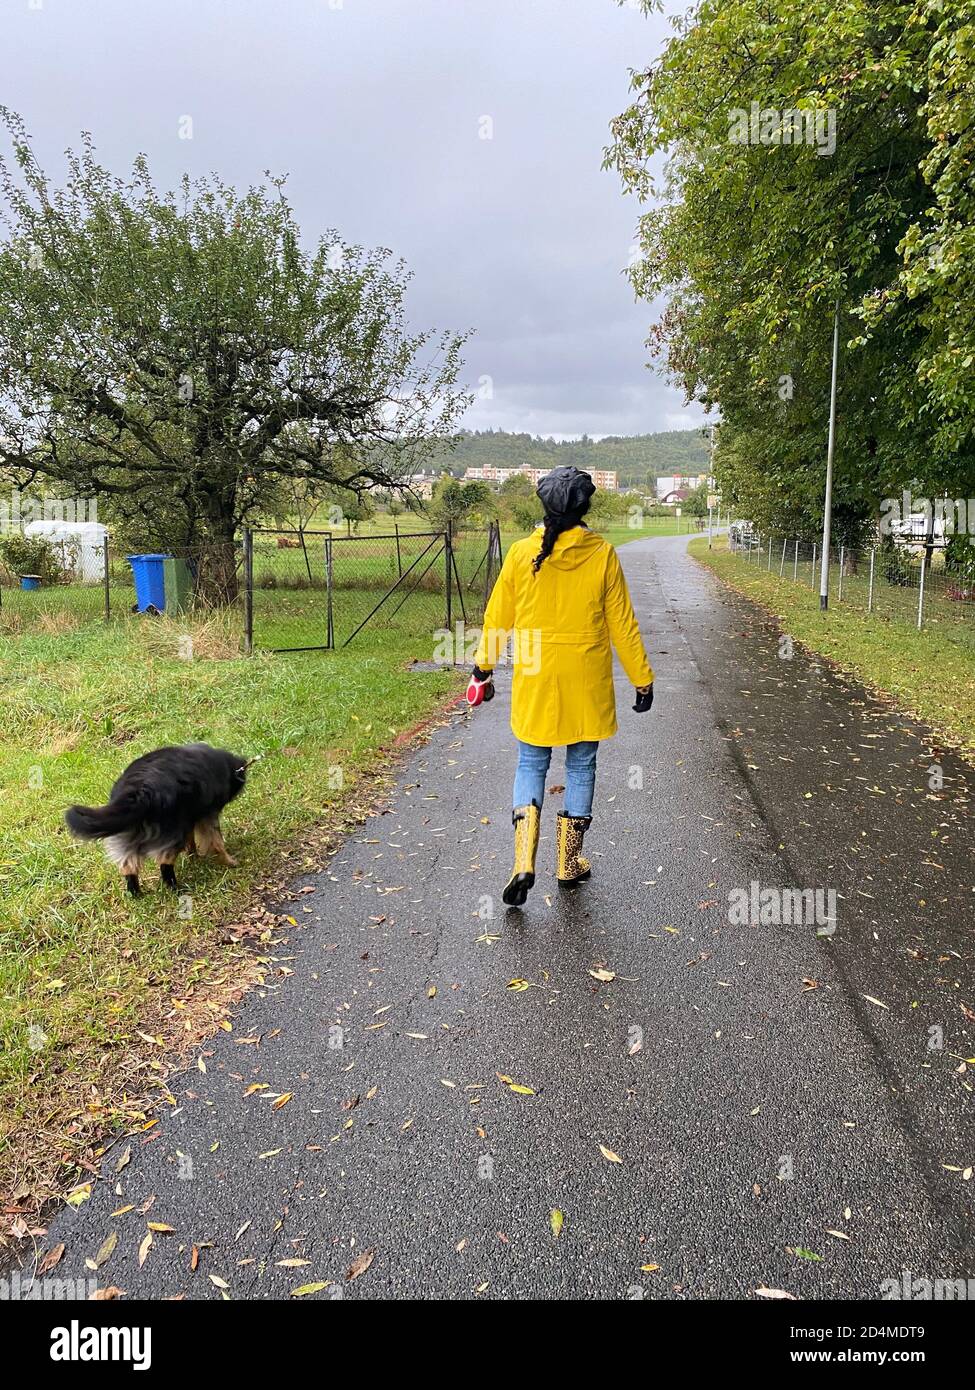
(527, 821)
(571, 867)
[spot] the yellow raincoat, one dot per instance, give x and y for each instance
(561, 622)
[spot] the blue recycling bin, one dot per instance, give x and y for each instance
(150, 583)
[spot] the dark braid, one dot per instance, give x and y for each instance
(554, 526)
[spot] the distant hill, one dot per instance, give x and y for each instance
(632, 456)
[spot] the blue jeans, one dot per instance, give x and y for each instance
(580, 776)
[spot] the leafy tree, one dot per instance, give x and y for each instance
(696, 501)
(518, 485)
(454, 504)
(188, 347)
(753, 242)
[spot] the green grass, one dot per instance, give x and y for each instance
(653, 526)
(931, 672)
(78, 959)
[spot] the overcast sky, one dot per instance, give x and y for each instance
(376, 110)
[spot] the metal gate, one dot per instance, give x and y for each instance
(314, 590)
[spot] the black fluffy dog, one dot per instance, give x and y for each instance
(165, 802)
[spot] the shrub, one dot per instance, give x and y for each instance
(34, 555)
(895, 565)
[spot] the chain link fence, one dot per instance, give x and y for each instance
(915, 583)
(277, 590)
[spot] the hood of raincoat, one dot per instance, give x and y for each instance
(573, 548)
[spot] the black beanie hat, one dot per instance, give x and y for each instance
(566, 491)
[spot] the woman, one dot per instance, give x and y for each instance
(562, 599)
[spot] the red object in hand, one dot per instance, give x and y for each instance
(479, 689)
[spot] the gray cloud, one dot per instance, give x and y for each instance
(375, 109)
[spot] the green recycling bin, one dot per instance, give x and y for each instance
(178, 584)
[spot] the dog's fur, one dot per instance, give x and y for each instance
(165, 802)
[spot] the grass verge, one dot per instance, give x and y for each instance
(931, 672)
(97, 989)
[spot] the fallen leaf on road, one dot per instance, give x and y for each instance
(105, 1250)
(609, 1155)
(103, 1295)
(144, 1248)
(557, 1220)
(880, 1004)
(303, 1289)
(360, 1265)
(605, 975)
(50, 1259)
(763, 1292)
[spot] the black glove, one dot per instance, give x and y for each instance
(644, 699)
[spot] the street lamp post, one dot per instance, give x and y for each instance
(830, 448)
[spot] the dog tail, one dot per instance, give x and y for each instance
(95, 822)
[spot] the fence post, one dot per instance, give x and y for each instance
(920, 596)
(329, 625)
(839, 587)
(873, 555)
(448, 559)
(248, 590)
(795, 565)
(812, 576)
(399, 558)
(488, 583)
(770, 554)
(782, 560)
(108, 592)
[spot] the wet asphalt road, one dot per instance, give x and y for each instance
(770, 1103)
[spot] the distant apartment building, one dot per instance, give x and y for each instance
(604, 478)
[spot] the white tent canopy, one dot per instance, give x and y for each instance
(81, 543)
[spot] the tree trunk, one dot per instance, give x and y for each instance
(217, 557)
(216, 573)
